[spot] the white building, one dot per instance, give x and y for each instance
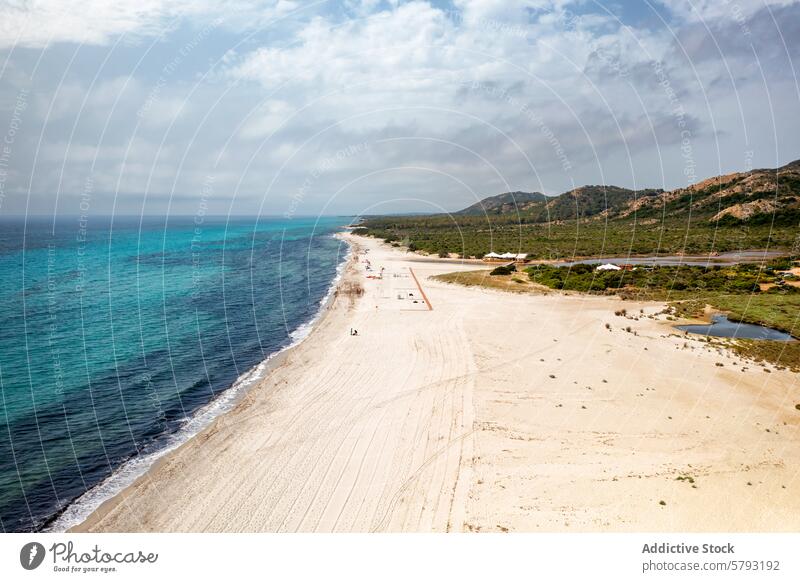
(505, 256)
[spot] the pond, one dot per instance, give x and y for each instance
(721, 326)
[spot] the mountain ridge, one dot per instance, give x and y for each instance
(502, 203)
(757, 194)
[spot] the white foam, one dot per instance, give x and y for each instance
(138, 465)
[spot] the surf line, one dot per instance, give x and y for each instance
(425, 297)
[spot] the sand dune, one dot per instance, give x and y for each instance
(489, 412)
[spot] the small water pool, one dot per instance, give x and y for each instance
(721, 326)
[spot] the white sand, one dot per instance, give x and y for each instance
(449, 420)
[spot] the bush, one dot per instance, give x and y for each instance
(503, 270)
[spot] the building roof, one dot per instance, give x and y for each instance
(505, 255)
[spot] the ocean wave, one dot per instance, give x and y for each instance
(130, 470)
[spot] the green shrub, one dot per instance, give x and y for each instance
(504, 270)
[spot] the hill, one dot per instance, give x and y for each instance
(505, 203)
(758, 195)
(756, 209)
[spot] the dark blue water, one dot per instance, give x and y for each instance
(721, 326)
(116, 335)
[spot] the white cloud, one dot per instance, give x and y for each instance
(268, 119)
(479, 94)
(36, 23)
(414, 37)
(417, 57)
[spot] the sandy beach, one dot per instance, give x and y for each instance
(466, 409)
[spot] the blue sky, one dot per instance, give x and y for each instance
(273, 106)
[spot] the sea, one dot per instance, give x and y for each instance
(121, 338)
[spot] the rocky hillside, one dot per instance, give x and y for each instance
(756, 196)
(591, 201)
(505, 203)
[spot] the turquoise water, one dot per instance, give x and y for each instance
(120, 337)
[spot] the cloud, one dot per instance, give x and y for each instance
(435, 103)
(480, 69)
(415, 36)
(37, 23)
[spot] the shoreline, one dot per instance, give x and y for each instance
(490, 412)
(231, 398)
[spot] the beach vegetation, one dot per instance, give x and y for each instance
(503, 270)
(656, 281)
(481, 278)
(573, 239)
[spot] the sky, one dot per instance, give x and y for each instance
(277, 107)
